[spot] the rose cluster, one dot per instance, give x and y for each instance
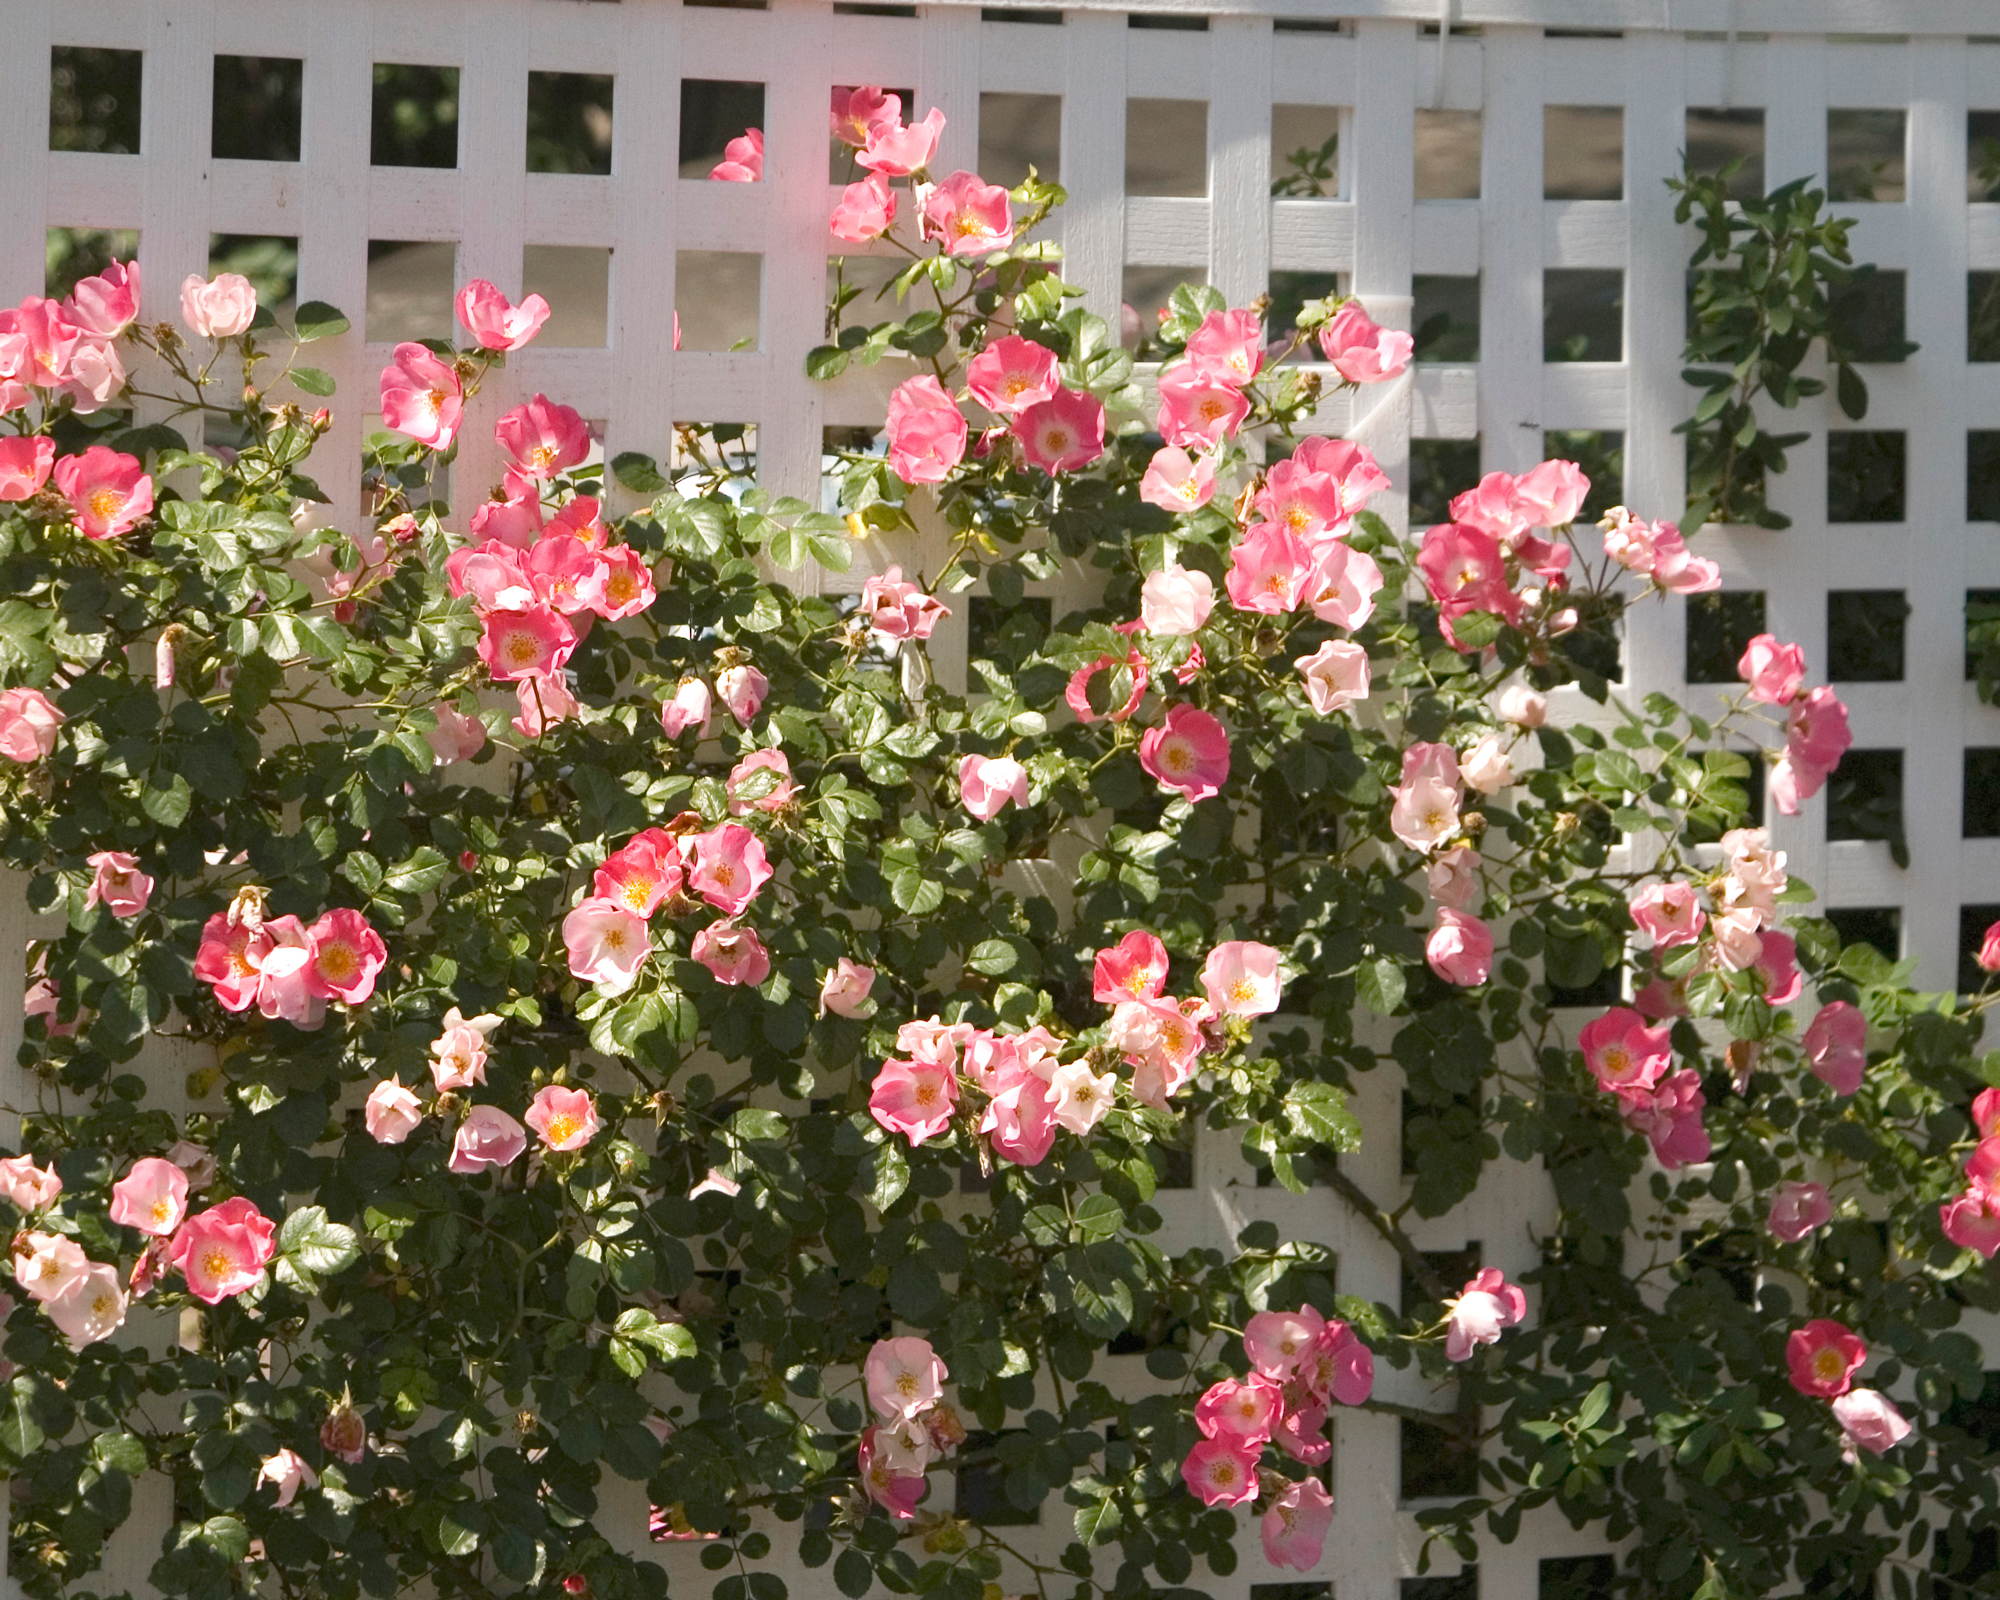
(1823, 1357)
(285, 968)
(1972, 1219)
(1816, 734)
(905, 1382)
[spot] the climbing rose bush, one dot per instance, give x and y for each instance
(538, 1000)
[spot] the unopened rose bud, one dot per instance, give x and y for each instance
(1566, 824)
(468, 860)
(344, 1433)
(322, 419)
(576, 1583)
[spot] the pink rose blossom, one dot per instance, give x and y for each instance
(987, 783)
(1298, 498)
(1797, 1210)
(729, 867)
(108, 491)
(347, 954)
(286, 987)
(1076, 695)
(1756, 873)
(1268, 570)
(1362, 352)
(1178, 482)
(1836, 1046)
(1427, 800)
(1295, 1525)
(458, 1055)
(152, 1197)
(1240, 978)
(1453, 878)
(287, 1472)
(1623, 1053)
(1338, 1365)
(1228, 347)
(742, 159)
(1342, 585)
(30, 1187)
(566, 1119)
(422, 396)
(1011, 374)
(107, 303)
(734, 955)
(1774, 671)
(845, 990)
(1669, 914)
(28, 723)
(866, 210)
(1670, 1116)
(1189, 752)
(224, 1250)
(760, 761)
(1221, 1472)
(1985, 1111)
(895, 150)
(857, 111)
(1465, 570)
(25, 462)
(641, 873)
(456, 737)
(1063, 433)
(1244, 1413)
(1677, 571)
(118, 885)
(1020, 1118)
(494, 322)
(494, 574)
(488, 1137)
(531, 642)
(1988, 958)
(1336, 675)
(1816, 737)
(1868, 1421)
(743, 689)
(904, 1378)
(1080, 1098)
(392, 1112)
(691, 707)
(1522, 706)
(545, 700)
(895, 1492)
(607, 944)
(1460, 948)
(1823, 1356)
(1486, 1305)
(617, 585)
(219, 308)
(967, 216)
(1175, 601)
(91, 1307)
(230, 960)
(1777, 963)
(914, 1098)
(1972, 1221)
(1196, 412)
(1135, 968)
(1738, 938)
(1485, 766)
(45, 1264)
(542, 438)
(1549, 495)
(899, 610)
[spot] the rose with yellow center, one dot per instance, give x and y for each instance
(216, 1262)
(105, 502)
(338, 962)
(562, 1127)
(163, 1208)
(622, 587)
(542, 454)
(1829, 1365)
(523, 649)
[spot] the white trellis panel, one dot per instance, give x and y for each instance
(1792, 58)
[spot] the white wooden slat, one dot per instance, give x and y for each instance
(1312, 235)
(1510, 255)
(1093, 160)
(1239, 157)
(1584, 233)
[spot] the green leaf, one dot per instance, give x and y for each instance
(312, 380)
(422, 872)
(915, 893)
(669, 1341)
(1099, 1522)
(853, 1573)
(992, 957)
(1318, 1111)
(825, 361)
(1379, 985)
(319, 1247)
(1851, 392)
(168, 806)
(638, 472)
(459, 1530)
(317, 320)
(892, 1174)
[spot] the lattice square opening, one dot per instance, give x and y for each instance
(1017, 131)
(576, 282)
(1878, 927)
(1576, 1578)
(1439, 469)
(1166, 147)
(1305, 152)
(94, 99)
(1720, 626)
(1865, 156)
(414, 117)
(1716, 137)
(1583, 314)
(719, 295)
(1583, 152)
(1864, 635)
(1988, 600)
(1982, 155)
(1865, 316)
(1864, 797)
(269, 260)
(73, 254)
(1864, 476)
(1982, 320)
(1980, 807)
(410, 288)
(1447, 154)
(1289, 292)
(1445, 314)
(1973, 921)
(258, 113)
(1982, 475)
(1146, 291)
(569, 122)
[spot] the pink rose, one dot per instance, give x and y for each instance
(895, 1492)
(545, 700)
(641, 873)
(285, 985)
(857, 111)
(1460, 948)
(1466, 570)
(392, 1112)
(607, 944)
(1178, 482)
(494, 322)
(1175, 602)
(734, 955)
(895, 150)
(458, 1055)
(1221, 1472)
(108, 491)
(1228, 347)
(30, 1187)
(1342, 585)
(1296, 1524)
(1823, 1356)
(1135, 968)
(422, 396)
(25, 461)
(967, 216)
(1836, 1046)
(566, 1119)
(1522, 706)
(118, 885)
(1011, 374)
(1362, 352)
(617, 584)
(107, 303)
(743, 689)
(346, 956)
(729, 867)
(1669, 914)
(1244, 1413)
(1189, 752)
(1268, 570)
(904, 1378)
(1197, 412)
(1063, 433)
(1669, 1115)
(1623, 1053)
(220, 308)
(1774, 671)
(742, 159)
(866, 210)
(1675, 570)
(152, 1197)
(1427, 800)
(845, 990)
(287, 1472)
(45, 1264)
(488, 1137)
(987, 783)
(1076, 695)
(1797, 1210)
(691, 707)
(1453, 878)
(1485, 766)
(1869, 1422)
(760, 761)
(1079, 1098)
(899, 610)
(1988, 958)
(914, 1098)
(532, 642)
(456, 737)
(1240, 978)
(1486, 1305)
(1549, 495)
(1972, 1221)
(224, 1250)
(542, 438)
(91, 1307)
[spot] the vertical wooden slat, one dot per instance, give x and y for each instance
(1093, 159)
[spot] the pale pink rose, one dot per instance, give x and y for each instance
(544, 700)
(1189, 752)
(458, 1057)
(347, 954)
(90, 1307)
(607, 944)
(1670, 1116)
(30, 1187)
(494, 322)
(691, 707)
(1278, 1342)
(218, 308)
(1868, 1421)
(1342, 585)
(1221, 1472)
(866, 210)
(904, 1377)
(118, 885)
(224, 1250)
(1338, 1366)
(1549, 495)
(96, 375)
(1485, 766)
(1836, 1046)
(1240, 978)
(845, 991)
(1362, 352)
(1755, 872)
(392, 1113)
(1336, 675)
(1176, 601)
(28, 723)
(1197, 413)
(152, 1197)
(1011, 374)
(1797, 1210)
(1972, 1221)
(897, 609)
(45, 1264)
(1063, 433)
(107, 303)
(1775, 672)
(285, 986)
(1622, 1052)
(729, 867)
(742, 159)
(1777, 963)
(1135, 968)
(108, 491)
(1669, 914)
(1491, 507)
(968, 216)
(1080, 1098)
(734, 955)
(895, 150)
(1296, 1524)
(914, 1098)
(1522, 706)
(760, 761)
(1269, 570)
(1677, 571)
(287, 1472)
(717, 1182)
(1486, 1305)
(1427, 800)
(25, 462)
(1453, 878)
(532, 642)
(566, 1119)
(488, 1137)
(742, 689)
(1738, 939)
(1244, 1412)
(987, 783)
(1176, 481)
(422, 396)
(456, 737)
(856, 112)
(542, 438)
(1460, 948)
(1228, 347)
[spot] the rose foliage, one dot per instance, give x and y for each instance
(645, 1026)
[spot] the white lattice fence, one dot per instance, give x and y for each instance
(1380, 70)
